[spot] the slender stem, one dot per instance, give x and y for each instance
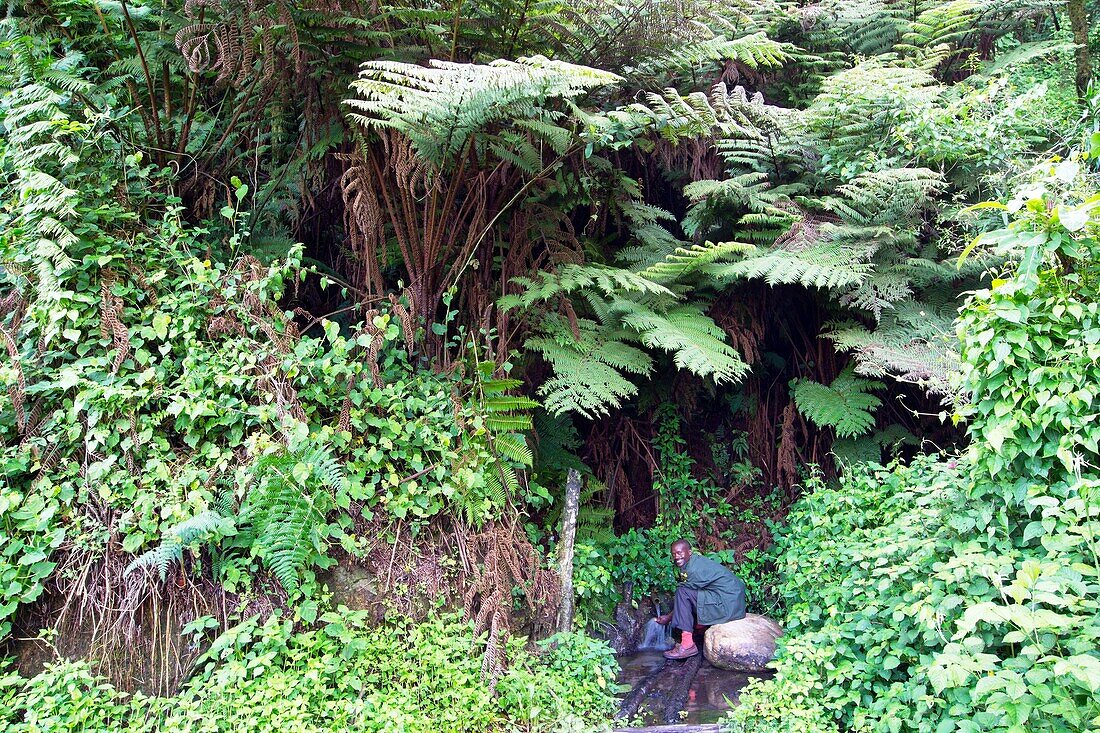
(154, 112)
(455, 27)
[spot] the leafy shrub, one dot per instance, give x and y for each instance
(29, 532)
(67, 698)
(342, 675)
(570, 681)
(965, 596)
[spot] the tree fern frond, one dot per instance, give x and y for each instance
(688, 259)
(822, 265)
(913, 342)
(845, 405)
(754, 51)
(514, 447)
(570, 278)
(588, 378)
(556, 442)
(697, 343)
(443, 105)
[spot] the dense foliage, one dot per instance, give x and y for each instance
(291, 290)
(965, 594)
(342, 674)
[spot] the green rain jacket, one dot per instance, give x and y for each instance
(721, 593)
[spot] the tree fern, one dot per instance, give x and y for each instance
(443, 106)
(571, 278)
(629, 35)
(846, 405)
(861, 249)
(764, 213)
(857, 108)
(674, 116)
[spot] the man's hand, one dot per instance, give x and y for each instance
(664, 619)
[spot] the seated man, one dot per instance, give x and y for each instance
(708, 594)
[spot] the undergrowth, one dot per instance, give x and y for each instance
(342, 673)
(964, 595)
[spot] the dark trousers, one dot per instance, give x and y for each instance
(683, 610)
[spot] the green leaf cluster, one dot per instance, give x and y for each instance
(341, 672)
(965, 594)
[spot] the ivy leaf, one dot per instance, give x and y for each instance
(1084, 667)
(1073, 219)
(160, 325)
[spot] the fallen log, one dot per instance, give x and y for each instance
(684, 672)
(632, 703)
(703, 728)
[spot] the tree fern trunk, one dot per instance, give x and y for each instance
(1079, 23)
(568, 538)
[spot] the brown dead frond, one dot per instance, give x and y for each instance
(110, 320)
(743, 322)
(18, 391)
(496, 560)
(408, 323)
(228, 38)
(787, 458)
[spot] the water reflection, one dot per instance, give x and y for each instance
(712, 692)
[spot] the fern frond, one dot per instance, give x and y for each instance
(442, 106)
(754, 51)
(588, 368)
(846, 405)
(508, 403)
(514, 447)
(686, 260)
(205, 527)
(508, 423)
(499, 386)
(570, 278)
(283, 513)
(697, 343)
(161, 557)
(556, 442)
(823, 265)
(914, 343)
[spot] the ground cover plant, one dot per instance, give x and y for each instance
(340, 674)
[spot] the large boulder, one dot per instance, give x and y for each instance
(744, 645)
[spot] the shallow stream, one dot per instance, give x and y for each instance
(709, 697)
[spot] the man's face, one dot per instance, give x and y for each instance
(680, 555)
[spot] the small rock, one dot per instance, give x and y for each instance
(744, 645)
